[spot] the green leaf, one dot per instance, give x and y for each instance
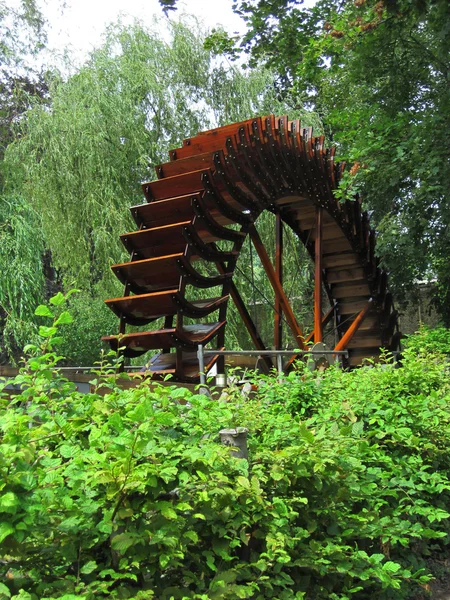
(47, 331)
(191, 535)
(164, 560)
(358, 428)
(23, 595)
(64, 318)
(89, 567)
(58, 299)
(243, 482)
(391, 567)
(4, 591)
(122, 542)
(5, 530)
(306, 434)
(169, 513)
(43, 311)
(8, 502)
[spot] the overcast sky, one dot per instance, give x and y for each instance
(81, 24)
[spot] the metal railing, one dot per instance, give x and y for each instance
(201, 353)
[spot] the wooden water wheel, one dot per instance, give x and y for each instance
(213, 190)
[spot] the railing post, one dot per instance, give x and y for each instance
(201, 364)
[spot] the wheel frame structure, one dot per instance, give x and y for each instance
(214, 188)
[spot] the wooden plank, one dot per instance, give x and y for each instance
(350, 290)
(360, 357)
(207, 141)
(336, 246)
(156, 241)
(330, 231)
(165, 363)
(143, 378)
(335, 275)
(172, 187)
(365, 341)
(141, 309)
(217, 132)
(296, 203)
(150, 274)
(185, 165)
(165, 339)
(346, 259)
(6, 371)
(164, 212)
(352, 307)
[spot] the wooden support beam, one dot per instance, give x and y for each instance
(278, 321)
(246, 318)
(348, 335)
(318, 331)
(325, 320)
(270, 271)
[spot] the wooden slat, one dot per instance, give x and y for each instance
(352, 307)
(140, 310)
(156, 241)
(150, 274)
(172, 187)
(185, 165)
(336, 246)
(365, 341)
(136, 344)
(331, 231)
(295, 203)
(350, 290)
(207, 141)
(340, 274)
(144, 308)
(360, 357)
(164, 212)
(347, 259)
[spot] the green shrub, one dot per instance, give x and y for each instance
(129, 494)
(430, 340)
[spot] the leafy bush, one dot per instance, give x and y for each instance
(430, 340)
(129, 494)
